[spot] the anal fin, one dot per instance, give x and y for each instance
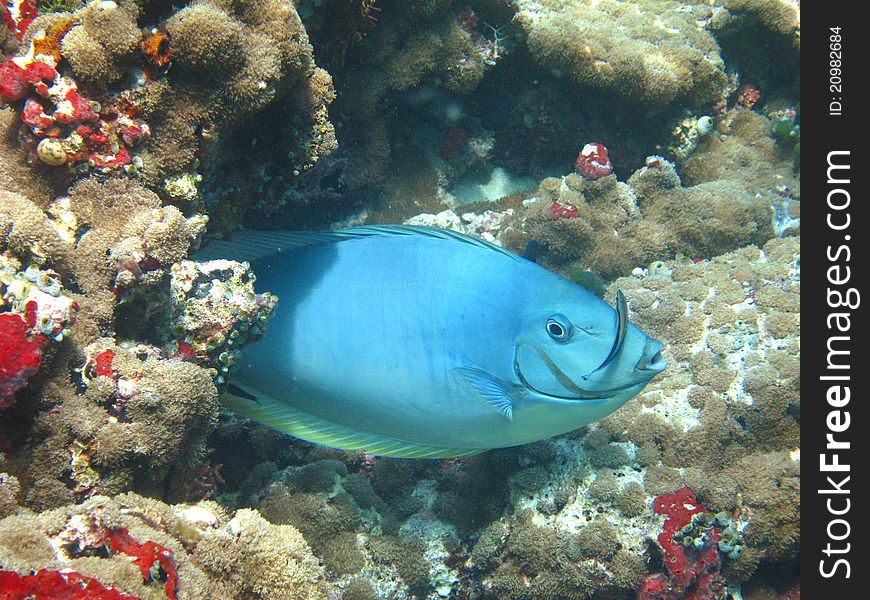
(302, 424)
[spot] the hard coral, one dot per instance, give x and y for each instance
(105, 34)
(64, 127)
(261, 560)
(216, 309)
(723, 419)
(653, 215)
(142, 119)
(155, 412)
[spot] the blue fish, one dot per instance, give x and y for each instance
(421, 342)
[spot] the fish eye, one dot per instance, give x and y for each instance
(559, 328)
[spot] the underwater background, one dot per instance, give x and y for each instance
(647, 146)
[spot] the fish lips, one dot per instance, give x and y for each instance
(651, 360)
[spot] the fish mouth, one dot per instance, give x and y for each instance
(651, 359)
(566, 382)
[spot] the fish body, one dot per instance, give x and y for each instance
(418, 342)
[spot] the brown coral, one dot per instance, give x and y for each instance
(641, 50)
(620, 226)
(105, 33)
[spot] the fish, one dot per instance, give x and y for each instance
(420, 342)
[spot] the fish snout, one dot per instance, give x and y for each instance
(651, 359)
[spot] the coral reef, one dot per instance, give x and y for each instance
(133, 414)
(135, 130)
(707, 209)
(215, 308)
(135, 547)
(699, 569)
(780, 16)
(599, 512)
(148, 120)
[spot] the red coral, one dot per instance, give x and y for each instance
(693, 576)
(592, 162)
(38, 71)
(83, 112)
(145, 556)
(184, 351)
(26, 13)
(119, 159)
(54, 585)
(20, 353)
(655, 587)
(558, 212)
(467, 20)
(13, 85)
(103, 363)
(34, 115)
(16, 83)
(133, 133)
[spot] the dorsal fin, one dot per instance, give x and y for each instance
(251, 245)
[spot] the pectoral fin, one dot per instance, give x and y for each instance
(500, 395)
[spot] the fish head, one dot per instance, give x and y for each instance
(584, 350)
